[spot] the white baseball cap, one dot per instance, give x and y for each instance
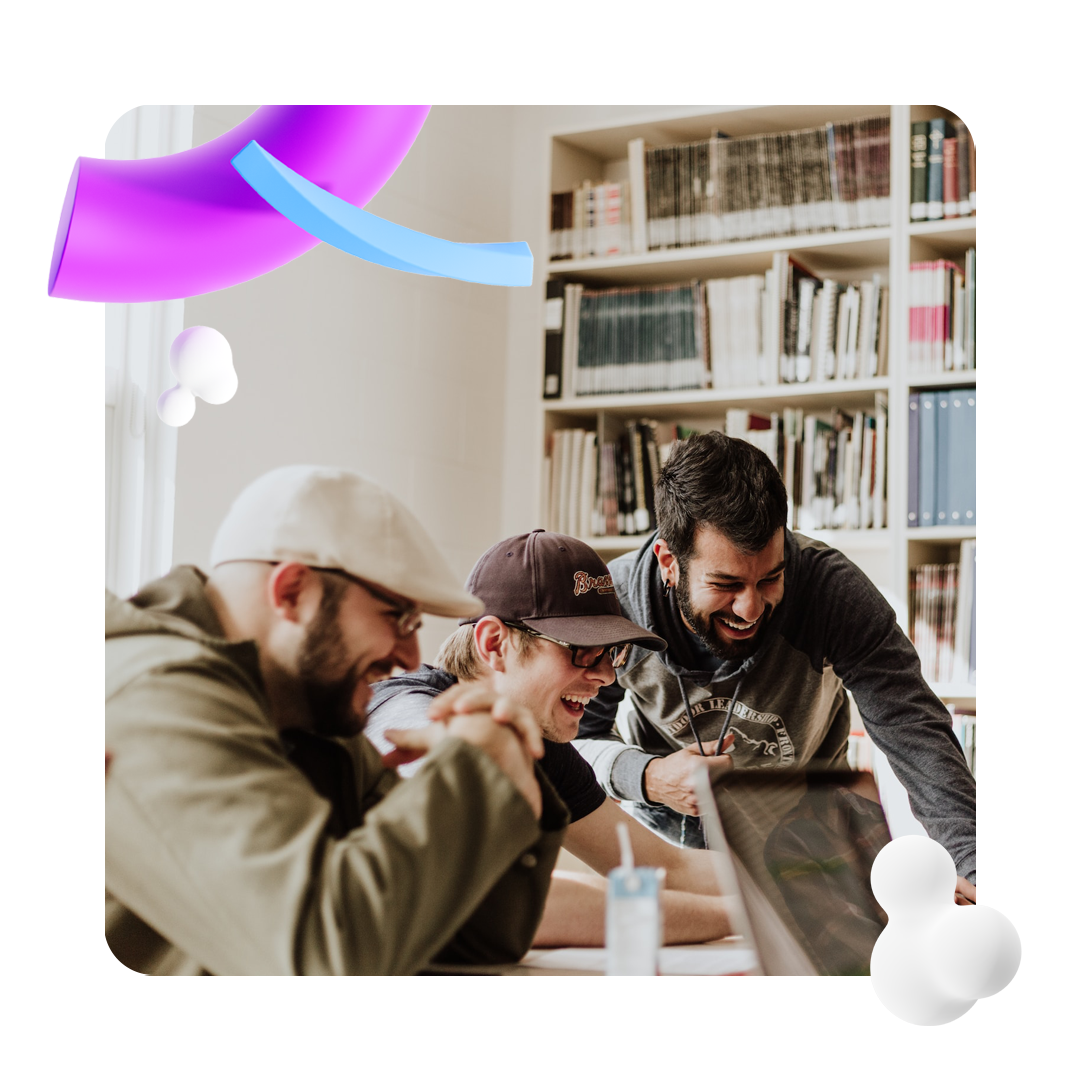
(340, 520)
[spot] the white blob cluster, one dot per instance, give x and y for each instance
(934, 959)
(201, 360)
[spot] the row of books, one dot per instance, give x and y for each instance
(941, 316)
(831, 177)
(834, 470)
(827, 329)
(594, 488)
(941, 457)
(941, 606)
(624, 340)
(593, 219)
(783, 326)
(942, 170)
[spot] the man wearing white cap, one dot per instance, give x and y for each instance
(246, 832)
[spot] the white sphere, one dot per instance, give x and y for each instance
(176, 406)
(900, 976)
(974, 951)
(201, 360)
(912, 873)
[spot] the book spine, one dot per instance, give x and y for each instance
(927, 458)
(943, 439)
(950, 178)
(554, 310)
(963, 170)
(965, 452)
(935, 162)
(914, 416)
(880, 487)
(587, 512)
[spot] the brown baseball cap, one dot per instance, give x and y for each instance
(556, 585)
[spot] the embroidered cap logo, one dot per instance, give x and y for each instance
(584, 583)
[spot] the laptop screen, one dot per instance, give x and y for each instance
(798, 847)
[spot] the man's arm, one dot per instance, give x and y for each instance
(219, 843)
(405, 709)
(575, 909)
(903, 717)
(619, 768)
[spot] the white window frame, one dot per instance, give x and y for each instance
(140, 451)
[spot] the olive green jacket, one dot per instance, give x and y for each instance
(233, 849)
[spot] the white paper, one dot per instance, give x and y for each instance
(674, 960)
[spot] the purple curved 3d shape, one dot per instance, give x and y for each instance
(176, 226)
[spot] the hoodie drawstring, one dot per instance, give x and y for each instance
(727, 716)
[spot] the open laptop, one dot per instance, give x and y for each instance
(796, 849)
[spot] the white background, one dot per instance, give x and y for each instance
(68, 77)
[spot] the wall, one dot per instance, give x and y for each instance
(400, 376)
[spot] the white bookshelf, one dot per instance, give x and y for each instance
(600, 153)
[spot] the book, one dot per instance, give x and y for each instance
(554, 308)
(914, 415)
(571, 312)
(878, 490)
(572, 507)
(587, 524)
(950, 183)
(935, 162)
(969, 309)
(942, 456)
(927, 458)
(920, 130)
(963, 447)
(965, 613)
(635, 150)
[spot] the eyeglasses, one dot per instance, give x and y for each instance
(407, 618)
(583, 656)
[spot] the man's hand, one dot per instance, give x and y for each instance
(965, 892)
(460, 700)
(670, 780)
(499, 740)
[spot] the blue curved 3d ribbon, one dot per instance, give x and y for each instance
(351, 229)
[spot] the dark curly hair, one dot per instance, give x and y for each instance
(711, 479)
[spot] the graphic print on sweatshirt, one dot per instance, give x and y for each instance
(761, 739)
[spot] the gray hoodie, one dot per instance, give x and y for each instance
(832, 630)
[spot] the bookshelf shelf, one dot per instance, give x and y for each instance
(824, 251)
(942, 533)
(961, 229)
(944, 379)
(705, 404)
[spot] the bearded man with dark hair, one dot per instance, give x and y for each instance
(767, 632)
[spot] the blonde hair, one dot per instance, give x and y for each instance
(458, 655)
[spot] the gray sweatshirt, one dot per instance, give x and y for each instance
(832, 631)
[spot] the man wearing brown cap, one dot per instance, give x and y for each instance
(248, 831)
(550, 638)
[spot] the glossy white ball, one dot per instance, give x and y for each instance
(912, 873)
(201, 359)
(974, 951)
(176, 406)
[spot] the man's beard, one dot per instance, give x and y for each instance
(702, 625)
(329, 701)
